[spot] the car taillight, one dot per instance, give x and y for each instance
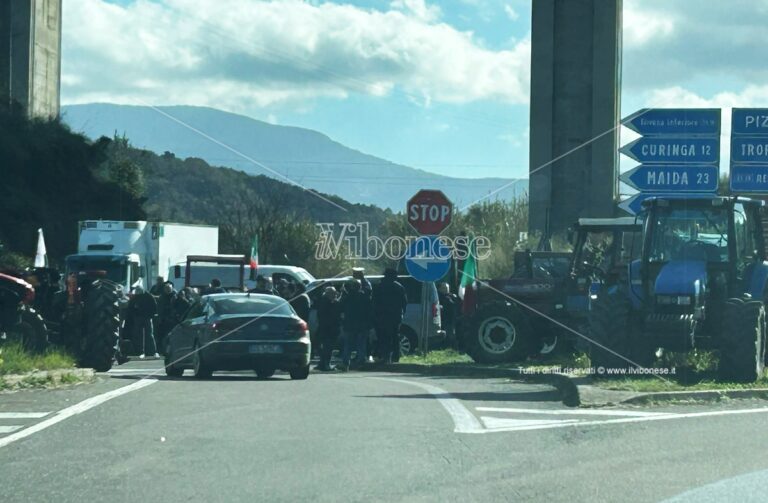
(435, 313)
(301, 329)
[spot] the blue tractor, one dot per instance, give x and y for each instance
(701, 282)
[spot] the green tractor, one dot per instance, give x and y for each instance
(701, 282)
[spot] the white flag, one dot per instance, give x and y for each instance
(41, 259)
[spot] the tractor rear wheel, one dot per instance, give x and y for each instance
(101, 333)
(742, 341)
(615, 343)
(499, 333)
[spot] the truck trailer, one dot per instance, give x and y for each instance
(134, 253)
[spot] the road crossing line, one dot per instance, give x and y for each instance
(73, 410)
(10, 428)
(23, 415)
(575, 412)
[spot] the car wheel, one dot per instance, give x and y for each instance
(265, 373)
(201, 369)
(408, 342)
(300, 373)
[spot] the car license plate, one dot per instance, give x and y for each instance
(265, 349)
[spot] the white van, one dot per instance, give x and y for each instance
(228, 273)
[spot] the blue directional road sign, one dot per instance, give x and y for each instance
(675, 121)
(428, 258)
(672, 178)
(633, 205)
(749, 149)
(749, 178)
(663, 150)
(749, 121)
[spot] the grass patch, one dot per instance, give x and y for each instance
(438, 357)
(654, 384)
(15, 360)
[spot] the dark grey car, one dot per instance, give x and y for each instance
(239, 331)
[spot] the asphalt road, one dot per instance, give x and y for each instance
(366, 437)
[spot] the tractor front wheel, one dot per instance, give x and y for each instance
(614, 342)
(742, 341)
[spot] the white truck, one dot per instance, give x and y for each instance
(135, 253)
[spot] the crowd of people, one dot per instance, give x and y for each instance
(152, 314)
(348, 314)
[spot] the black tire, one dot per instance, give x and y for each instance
(499, 333)
(199, 366)
(31, 332)
(101, 327)
(265, 373)
(300, 373)
(615, 343)
(407, 341)
(171, 368)
(742, 341)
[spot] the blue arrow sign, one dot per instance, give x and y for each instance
(749, 149)
(673, 150)
(634, 204)
(749, 178)
(749, 121)
(672, 178)
(675, 121)
(428, 258)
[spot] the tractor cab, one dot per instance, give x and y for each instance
(602, 250)
(698, 252)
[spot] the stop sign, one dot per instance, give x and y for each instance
(429, 211)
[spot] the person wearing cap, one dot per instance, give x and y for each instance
(358, 314)
(329, 326)
(389, 303)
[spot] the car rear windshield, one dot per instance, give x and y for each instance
(252, 305)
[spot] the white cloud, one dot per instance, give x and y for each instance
(511, 12)
(642, 26)
(235, 55)
(691, 42)
(418, 8)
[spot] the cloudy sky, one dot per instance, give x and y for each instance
(437, 85)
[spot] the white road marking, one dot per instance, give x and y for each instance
(23, 415)
(575, 412)
(495, 423)
(662, 417)
(9, 429)
(463, 420)
(466, 422)
(74, 410)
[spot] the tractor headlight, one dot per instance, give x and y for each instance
(674, 300)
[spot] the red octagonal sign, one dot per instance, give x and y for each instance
(429, 211)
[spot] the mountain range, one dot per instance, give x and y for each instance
(296, 155)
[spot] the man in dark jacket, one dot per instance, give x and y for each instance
(166, 318)
(299, 300)
(214, 287)
(263, 286)
(142, 308)
(329, 326)
(357, 310)
(389, 303)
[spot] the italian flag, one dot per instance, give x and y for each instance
(254, 256)
(468, 284)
